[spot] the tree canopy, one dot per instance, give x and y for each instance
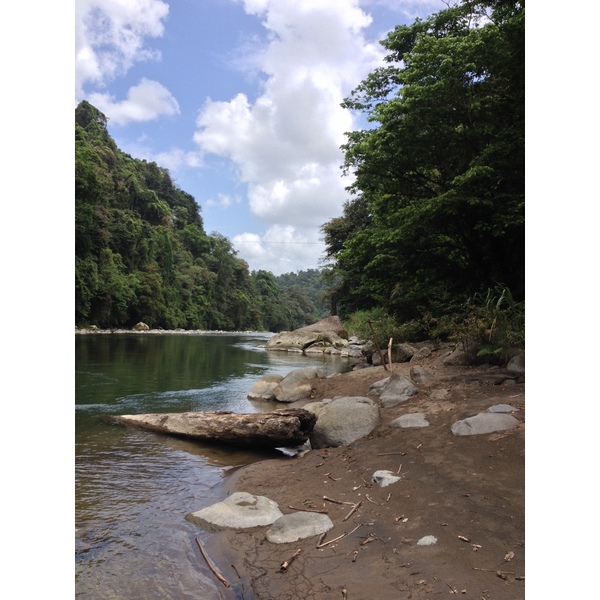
(437, 208)
(142, 254)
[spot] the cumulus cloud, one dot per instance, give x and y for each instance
(282, 249)
(285, 144)
(110, 37)
(145, 102)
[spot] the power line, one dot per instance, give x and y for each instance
(259, 242)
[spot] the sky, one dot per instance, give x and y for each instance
(240, 101)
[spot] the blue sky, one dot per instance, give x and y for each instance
(240, 100)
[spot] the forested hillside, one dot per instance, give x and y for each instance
(142, 253)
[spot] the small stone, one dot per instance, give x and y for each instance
(384, 478)
(428, 540)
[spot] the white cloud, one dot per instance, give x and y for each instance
(110, 37)
(145, 102)
(223, 201)
(285, 144)
(282, 249)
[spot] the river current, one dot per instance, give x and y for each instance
(133, 488)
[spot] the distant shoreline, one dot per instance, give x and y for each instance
(87, 331)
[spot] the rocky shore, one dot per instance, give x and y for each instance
(451, 521)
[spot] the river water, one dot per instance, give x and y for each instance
(133, 488)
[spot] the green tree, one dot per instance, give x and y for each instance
(438, 213)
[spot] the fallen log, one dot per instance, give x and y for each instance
(282, 428)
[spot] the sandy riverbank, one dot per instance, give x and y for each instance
(466, 492)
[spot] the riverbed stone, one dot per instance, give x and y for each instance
(241, 510)
(264, 388)
(410, 420)
(397, 389)
(298, 526)
(484, 423)
(502, 408)
(297, 384)
(342, 420)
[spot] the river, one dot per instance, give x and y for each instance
(133, 488)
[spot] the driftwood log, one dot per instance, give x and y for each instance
(287, 427)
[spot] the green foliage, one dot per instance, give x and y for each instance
(141, 252)
(437, 213)
(490, 326)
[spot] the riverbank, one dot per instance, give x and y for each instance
(454, 523)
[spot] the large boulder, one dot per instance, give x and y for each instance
(326, 333)
(241, 510)
(297, 385)
(264, 388)
(342, 420)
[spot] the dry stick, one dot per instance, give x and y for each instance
(319, 545)
(210, 565)
(494, 571)
(323, 512)
(390, 354)
(377, 346)
(284, 566)
(336, 501)
(390, 453)
(354, 509)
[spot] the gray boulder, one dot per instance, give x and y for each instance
(298, 526)
(517, 363)
(141, 327)
(297, 385)
(484, 423)
(376, 388)
(325, 333)
(342, 420)
(241, 510)
(410, 420)
(264, 388)
(398, 389)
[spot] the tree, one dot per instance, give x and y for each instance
(438, 208)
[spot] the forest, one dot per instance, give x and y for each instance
(431, 241)
(142, 254)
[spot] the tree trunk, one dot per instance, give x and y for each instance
(288, 427)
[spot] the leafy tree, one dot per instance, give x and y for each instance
(141, 252)
(438, 208)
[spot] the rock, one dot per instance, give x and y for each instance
(502, 408)
(141, 327)
(297, 385)
(484, 423)
(342, 420)
(517, 363)
(457, 357)
(384, 478)
(298, 526)
(410, 420)
(376, 388)
(398, 389)
(403, 352)
(264, 388)
(240, 511)
(325, 333)
(427, 540)
(419, 375)
(421, 354)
